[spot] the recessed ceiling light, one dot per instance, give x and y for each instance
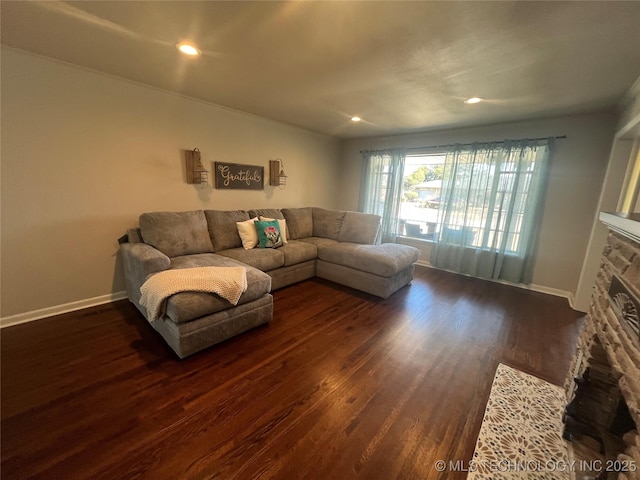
(474, 100)
(355, 119)
(188, 49)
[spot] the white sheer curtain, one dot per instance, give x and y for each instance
(492, 198)
(382, 188)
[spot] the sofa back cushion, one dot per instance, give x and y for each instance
(360, 228)
(176, 233)
(299, 222)
(266, 212)
(269, 213)
(223, 228)
(327, 223)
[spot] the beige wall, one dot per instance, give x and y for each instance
(622, 156)
(577, 170)
(629, 119)
(84, 154)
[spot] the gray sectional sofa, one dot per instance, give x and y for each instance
(335, 245)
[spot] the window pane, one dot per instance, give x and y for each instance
(422, 185)
(488, 198)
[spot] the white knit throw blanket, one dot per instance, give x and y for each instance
(228, 282)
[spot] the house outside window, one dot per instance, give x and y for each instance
(422, 182)
(422, 186)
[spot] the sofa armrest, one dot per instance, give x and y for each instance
(139, 261)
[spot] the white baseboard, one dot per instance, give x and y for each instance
(536, 288)
(551, 291)
(112, 297)
(58, 309)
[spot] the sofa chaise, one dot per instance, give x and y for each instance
(334, 245)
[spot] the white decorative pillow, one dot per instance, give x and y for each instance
(248, 233)
(283, 226)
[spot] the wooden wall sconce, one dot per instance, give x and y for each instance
(196, 173)
(277, 177)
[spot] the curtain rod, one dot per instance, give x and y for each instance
(558, 137)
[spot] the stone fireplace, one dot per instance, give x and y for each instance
(603, 385)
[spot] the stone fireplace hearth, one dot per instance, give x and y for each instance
(603, 385)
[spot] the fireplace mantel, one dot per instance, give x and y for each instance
(627, 224)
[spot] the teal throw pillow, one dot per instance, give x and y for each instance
(269, 234)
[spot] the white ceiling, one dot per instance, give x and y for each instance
(401, 66)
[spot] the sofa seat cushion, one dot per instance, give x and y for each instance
(176, 233)
(319, 242)
(264, 259)
(187, 306)
(297, 251)
(384, 260)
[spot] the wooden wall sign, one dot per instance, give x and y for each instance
(234, 175)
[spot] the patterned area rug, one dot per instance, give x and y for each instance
(521, 432)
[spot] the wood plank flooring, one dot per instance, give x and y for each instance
(340, 385)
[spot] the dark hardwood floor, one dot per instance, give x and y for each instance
(340, 385)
